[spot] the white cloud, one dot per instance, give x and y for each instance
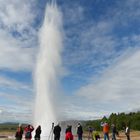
(99, 36)
(16, 13)
(18, 41)
(125, 13)
(108, 40)
(95, 40)
(13, 55)
(16, 102)
(17, 36)
(15, 107)
(78, 108)
(11, 114)
(12, 83)
(74, 14)
(119, 85)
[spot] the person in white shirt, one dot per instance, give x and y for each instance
(127, 132)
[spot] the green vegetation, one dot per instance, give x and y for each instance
(9, 127)
(120, 120)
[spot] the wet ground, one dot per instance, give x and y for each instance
(135, 135)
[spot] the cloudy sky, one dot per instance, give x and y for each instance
(100, 58)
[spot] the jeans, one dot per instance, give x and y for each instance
(113, 136)
(128, 137)
(106, 136)
(79, 137)
(57, 137)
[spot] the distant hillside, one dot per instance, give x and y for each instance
(120, 120)
(9, 126)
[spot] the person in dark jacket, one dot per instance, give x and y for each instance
(37, 133)
(79, 131)
(19, 133)
(114, 132)
(57, 131)
(90, 130)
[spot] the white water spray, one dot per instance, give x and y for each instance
(47, 68)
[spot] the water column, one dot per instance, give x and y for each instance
(47, 69)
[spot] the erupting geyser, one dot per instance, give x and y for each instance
(47, 68)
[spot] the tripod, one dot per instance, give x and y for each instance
(51, 133)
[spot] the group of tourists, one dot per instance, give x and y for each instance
(115, 133)
(28, 132)
(68, 132)
(106, 129)
(92, 133)
(56, 131)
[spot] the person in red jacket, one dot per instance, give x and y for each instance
(69, 135)
(28, 132)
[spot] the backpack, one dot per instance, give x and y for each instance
(28, 134)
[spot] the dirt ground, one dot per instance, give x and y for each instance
(135, 135)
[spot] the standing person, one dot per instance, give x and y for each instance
(79, 131)
(69, 135)
(114, 132)
(57, 131)
(37, 133)
(28, 132)
(90, 130)
(19, 133)
(127, 132)
(105, 130)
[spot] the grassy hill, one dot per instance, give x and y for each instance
(9, 126)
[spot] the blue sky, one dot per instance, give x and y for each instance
(100, 58)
